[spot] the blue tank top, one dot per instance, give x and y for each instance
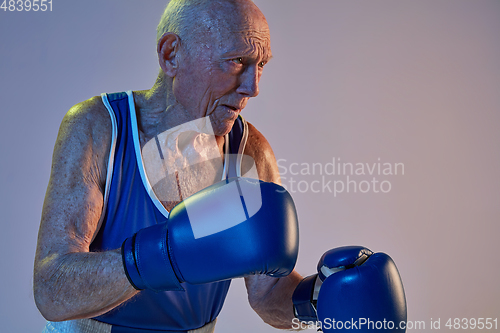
(129, 207)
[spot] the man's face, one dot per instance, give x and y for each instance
(220, 74)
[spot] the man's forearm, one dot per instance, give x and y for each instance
(271, 298)
(80, 285)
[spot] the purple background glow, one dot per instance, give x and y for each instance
(412, 82)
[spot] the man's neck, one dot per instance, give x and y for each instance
(157, 111)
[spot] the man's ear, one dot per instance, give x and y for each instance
(167, 49)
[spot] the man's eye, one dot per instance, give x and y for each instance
(238, 60)
(262, 64)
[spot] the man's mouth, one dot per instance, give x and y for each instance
(232, 108)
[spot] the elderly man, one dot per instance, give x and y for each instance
(102, 202)
(211, 54)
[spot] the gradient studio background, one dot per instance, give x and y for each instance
(412, 82)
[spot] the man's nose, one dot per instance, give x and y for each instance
(249, 82)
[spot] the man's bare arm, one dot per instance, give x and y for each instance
(69, 281)
(270, 298)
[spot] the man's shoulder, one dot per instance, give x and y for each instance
(90, 112)
(88, 117)
(257, 142)
(260, 150)
(86, 124)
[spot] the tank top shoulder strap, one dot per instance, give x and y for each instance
(117, 119)
(235, 147)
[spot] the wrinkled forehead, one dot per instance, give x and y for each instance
(232, 23)
(244, 43)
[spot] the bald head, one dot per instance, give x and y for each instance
(195, 20)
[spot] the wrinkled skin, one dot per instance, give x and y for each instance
(215, 76)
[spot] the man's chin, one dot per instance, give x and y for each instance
(222, 127)
(223, 130)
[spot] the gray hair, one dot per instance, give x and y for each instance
(185, 18)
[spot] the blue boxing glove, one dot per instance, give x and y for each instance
(231, 229)
(354, 290)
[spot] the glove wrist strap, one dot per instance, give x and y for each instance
(305, 298)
